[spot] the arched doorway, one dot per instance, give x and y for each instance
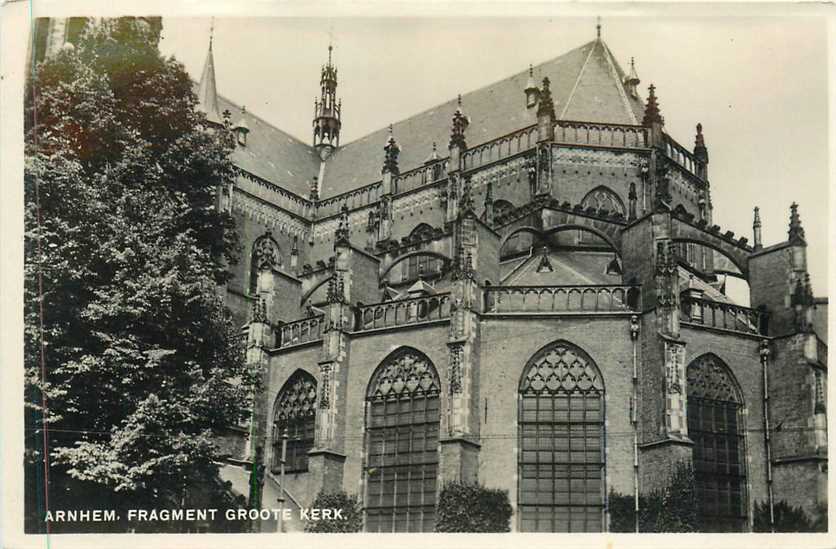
(402, 424)
(715, 424)
(561, 442)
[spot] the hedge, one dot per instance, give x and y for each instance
(464, 507)
(352, 514)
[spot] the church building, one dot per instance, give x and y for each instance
(522, 288)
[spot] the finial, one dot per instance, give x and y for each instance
(699, 140)
(531, 70)
(652, 114)
(598, 28)
(211, 32)
(796, 231)
(545, 105)
(757, 220)
(330, 49)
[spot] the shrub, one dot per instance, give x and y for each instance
(352, 515)
(669, 509)
(789, 518)
(622, 512)
(466, 507)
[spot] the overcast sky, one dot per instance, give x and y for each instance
(758, 85)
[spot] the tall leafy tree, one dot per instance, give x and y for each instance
(132, 362)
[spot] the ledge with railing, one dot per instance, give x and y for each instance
(421, 176)
(600, 135)
(403, 312)
(301, 331)
(562, 299)
(723, 316)
(682, 156)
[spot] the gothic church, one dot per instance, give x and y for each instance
(520, 287)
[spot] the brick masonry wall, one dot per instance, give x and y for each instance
(741, 355)
(367, 353)
(507, 345)
(281, 368)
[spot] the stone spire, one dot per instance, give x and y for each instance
(631, 81)
(460, 124)
(546, 105)
(433, 155)
(546, 116)
(207, 93)
(391, 152)
(652, 114)
(701, 153)
(796, 231)
(327, 111)
(756, 230)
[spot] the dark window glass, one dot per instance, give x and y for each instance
(715, 425)
(402, 445)
(296, 412)
(561, 462)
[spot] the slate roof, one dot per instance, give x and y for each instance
(586, 84)
(272, 154)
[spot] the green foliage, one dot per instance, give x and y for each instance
(670, 509)
(789, 518)
(622, 512)
(352, 514)
(466, 507)
(127, 341)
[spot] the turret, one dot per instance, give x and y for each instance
(327, 111)
(631, 81)
(532, 92)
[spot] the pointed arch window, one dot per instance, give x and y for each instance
(561, 441)
(295, 411)
(715, 424)
(602, 198)
(266, 254)
(402, 423)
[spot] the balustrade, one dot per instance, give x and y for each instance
(402, 312)
(602, 135)
(724, 316)
(501, 148)
(560, 299)
(301, 331)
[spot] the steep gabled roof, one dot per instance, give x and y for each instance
(272, 154)
(586, 84)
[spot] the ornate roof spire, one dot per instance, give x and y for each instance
(545, 107)
(598, 28)
(796, 232)
(327, 110)
(699, 140)
(391, 152)
(433, 155)
(633, 75)
(652, 114)
(207, 94)
(460, 124)
(531, 84)
(756, 229)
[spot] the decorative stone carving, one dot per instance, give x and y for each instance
(297, 398)
(266, 254)
(709, 378)
(561, 368)
(406, 373)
